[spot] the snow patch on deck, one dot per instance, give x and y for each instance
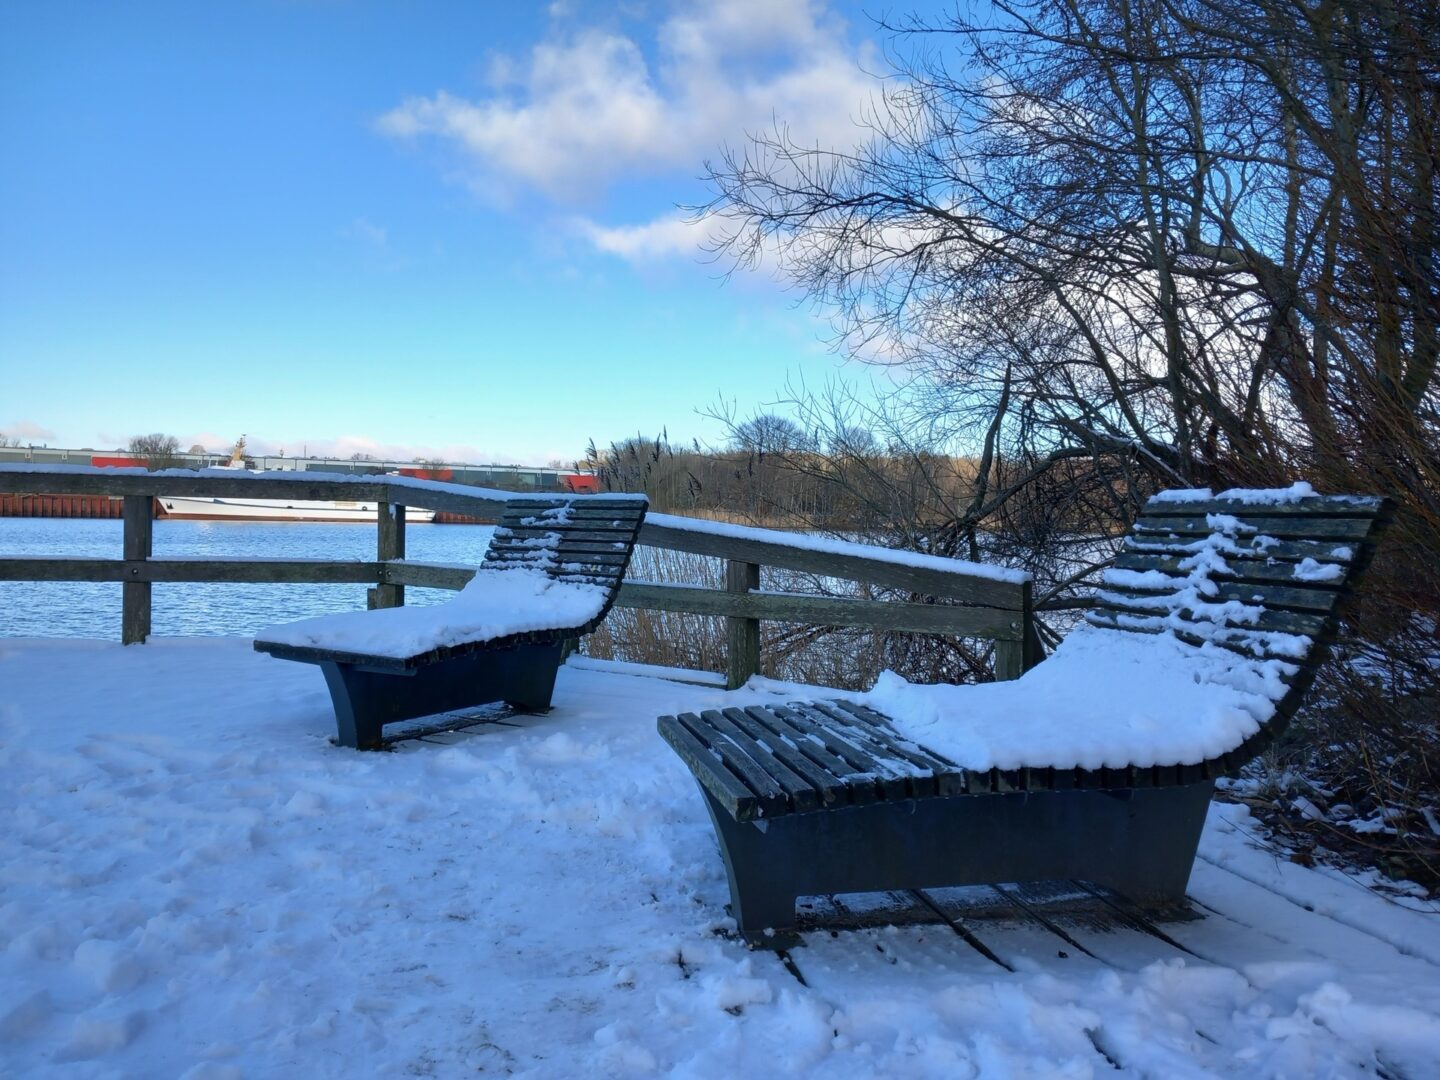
(195, 882)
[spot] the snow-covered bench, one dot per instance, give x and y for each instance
(1097, 764)
(551, 573)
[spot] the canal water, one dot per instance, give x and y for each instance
(92, 609)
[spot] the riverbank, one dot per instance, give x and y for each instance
(39, 505)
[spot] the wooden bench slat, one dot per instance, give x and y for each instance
(606, 555)
(595, 528)
(1242, 570)
(1270, 596)
(804, 794)
(770, 798)
(591, 532)
(579, 503)
(1282, 528)
(1326, 551)
(834, 787)
(1250, 646)
(949, 778)
(580, 575)
(581, 547)
(865, 768)
(1283, 622)
(613, 537)
(825, 754)
(903, 778)
(530, 529)
(1310, 506)
(939, 775)
(526, 515)
(729, 791)
(609, 558)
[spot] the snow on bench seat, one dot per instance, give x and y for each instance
(495, 604)
(1205, 634)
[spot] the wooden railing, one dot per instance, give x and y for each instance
(962, 602)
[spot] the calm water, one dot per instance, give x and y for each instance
(92, 609)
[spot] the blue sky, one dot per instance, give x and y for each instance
(410, 229)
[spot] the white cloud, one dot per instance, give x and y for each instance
(586, 106)
(674, 235)
(368, 233)
(671, 235)
(27, 431)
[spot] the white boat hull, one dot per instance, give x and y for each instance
(279, 510)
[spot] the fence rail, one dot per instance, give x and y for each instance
(957, 601)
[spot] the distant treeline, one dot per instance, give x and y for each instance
(796, 484)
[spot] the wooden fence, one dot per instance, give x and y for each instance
(952, 601)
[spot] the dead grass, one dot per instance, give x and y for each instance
(845, 658)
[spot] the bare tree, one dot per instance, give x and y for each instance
(160, 451)
(1203, 231)
(766, 433)
(1123, 244)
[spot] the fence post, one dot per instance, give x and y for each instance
(390, 544)
(743, 635)
(139, 530)
(1015, 656)
(1034, 647)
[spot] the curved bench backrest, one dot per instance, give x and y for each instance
(581, 539)
(1264, 577)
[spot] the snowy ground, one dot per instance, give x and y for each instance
(194, 882)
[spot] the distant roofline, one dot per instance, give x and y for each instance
(277, 461)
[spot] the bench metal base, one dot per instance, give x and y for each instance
(1141, 843)
(368, 698)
